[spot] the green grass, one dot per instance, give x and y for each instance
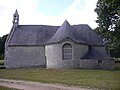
(1, 62)
(5, 88)
(104, 79)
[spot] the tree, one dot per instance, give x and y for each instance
(108, 19)
(2, 45)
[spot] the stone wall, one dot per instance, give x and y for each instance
(25, 56)
(97, 64)
(54, 55)
(79, 51)
(106, 63)
(50, 56)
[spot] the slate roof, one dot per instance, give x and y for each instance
(32, 34)
(90, 36)
(42, 34)
(96, 55)
(66, 31)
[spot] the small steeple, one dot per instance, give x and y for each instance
(16, 12)
(15, 19)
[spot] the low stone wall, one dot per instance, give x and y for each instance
(97, 64)
(2, 67)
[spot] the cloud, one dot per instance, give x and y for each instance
(7, 8)
(82, 15)
(79, 12)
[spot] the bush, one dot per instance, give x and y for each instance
(1, 56)
(117, 66)
(117, 60)
(1, 62)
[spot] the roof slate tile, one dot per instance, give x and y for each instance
(42, 34)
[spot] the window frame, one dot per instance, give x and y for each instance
(67, 51)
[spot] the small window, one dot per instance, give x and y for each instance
(67, 51)
(99, 61)
(15, 20)
(89, 47)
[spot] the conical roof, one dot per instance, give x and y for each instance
(16, 12)
(66, 31)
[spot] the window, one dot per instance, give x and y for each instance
(99, 61)
(89, 47)
(67, 51)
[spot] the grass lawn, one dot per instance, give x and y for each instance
(104, 79)
(5, 88)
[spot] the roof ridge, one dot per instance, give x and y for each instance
(37, 25)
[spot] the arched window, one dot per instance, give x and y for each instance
(67, 51)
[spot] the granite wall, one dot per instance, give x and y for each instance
(25, 56)
(97, 64)
(54, 55)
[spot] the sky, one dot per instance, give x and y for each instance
(47, 12)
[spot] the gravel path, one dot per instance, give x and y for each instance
(28, 85)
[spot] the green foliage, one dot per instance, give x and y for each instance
(117, 67)
(87, 78)
(108, 19)
(108, 14)
(2, 45)
(1, 62)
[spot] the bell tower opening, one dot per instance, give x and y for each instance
(15, 19)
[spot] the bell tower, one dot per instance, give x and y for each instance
(15, 19)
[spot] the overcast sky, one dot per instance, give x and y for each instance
(47, 12)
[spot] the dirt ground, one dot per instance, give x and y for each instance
(29, 85)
